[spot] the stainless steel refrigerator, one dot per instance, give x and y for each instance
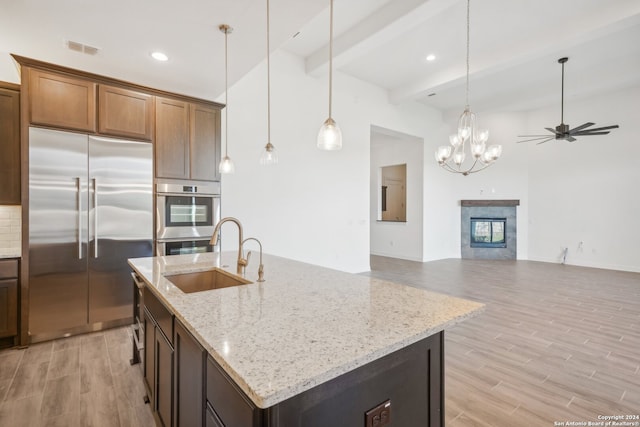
(90, 208)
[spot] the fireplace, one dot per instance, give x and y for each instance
(488, 229)
(488, 233)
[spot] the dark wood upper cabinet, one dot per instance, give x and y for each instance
(172, 138)
(204, 143)
(62, 101)
(124, 112)
(9, 144)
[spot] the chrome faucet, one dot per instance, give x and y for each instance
(261, 266)
(242, 262)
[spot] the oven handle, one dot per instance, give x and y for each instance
(189, 195)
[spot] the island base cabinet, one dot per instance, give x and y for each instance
(412, 379)
(164, 380)
(189, 378)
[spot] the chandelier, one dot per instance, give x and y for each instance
(452, 157)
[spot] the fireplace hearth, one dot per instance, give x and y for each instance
(488, 229)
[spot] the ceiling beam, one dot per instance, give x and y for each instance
(383, 25)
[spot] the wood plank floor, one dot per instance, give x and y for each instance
(84, 380)
(556, 343)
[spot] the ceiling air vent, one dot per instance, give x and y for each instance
(81, 47)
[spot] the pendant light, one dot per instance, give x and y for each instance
(330, 136)
(452, 157)
(269, 155)
(226, 164)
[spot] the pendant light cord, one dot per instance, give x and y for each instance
(467, 92)
(268, 81)
(330, 56)
(226, 95)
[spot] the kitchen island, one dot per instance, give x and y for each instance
(308, 346)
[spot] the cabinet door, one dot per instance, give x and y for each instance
(188, 379)
(123, 112)
(172, 138)
(9, 147)
(61, 101)
(149, 362)
(164, 379)
(204, 142)
(8, 307)
(228, 402)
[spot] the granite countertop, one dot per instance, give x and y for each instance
(301, 327)
(10, 254)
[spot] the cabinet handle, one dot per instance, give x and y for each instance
(95, 217)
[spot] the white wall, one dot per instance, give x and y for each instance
(8, 70)
(314, 205)
(397, 239)
(587, 191)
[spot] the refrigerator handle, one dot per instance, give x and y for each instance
(79, 202)
(95, 217)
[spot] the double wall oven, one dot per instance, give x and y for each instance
(186, 214)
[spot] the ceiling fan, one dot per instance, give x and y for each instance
(562, 131)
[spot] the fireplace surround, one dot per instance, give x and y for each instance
(488, 229)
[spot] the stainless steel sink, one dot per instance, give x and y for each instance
(205, 280)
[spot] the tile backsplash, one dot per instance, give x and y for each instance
(10, 231)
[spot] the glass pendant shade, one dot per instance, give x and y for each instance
(443, 153)
(330, 136)
(226, 165)
(269, 155)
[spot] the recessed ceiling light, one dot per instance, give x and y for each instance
(431, 57)
(159, 56)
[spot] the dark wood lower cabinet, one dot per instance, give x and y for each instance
(164, 379)
(189, 377)
(149, 362)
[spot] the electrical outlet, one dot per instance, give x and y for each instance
(379, 416)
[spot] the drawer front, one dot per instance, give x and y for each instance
(227, 401)
(160, 314)
(8, 269)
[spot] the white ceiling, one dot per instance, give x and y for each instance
(515, 44)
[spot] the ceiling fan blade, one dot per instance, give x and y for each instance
(532, 136)
(542, 142)
(579, 128)
(535, 139)
(588, 133)
(602, 128)
(570, 138)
